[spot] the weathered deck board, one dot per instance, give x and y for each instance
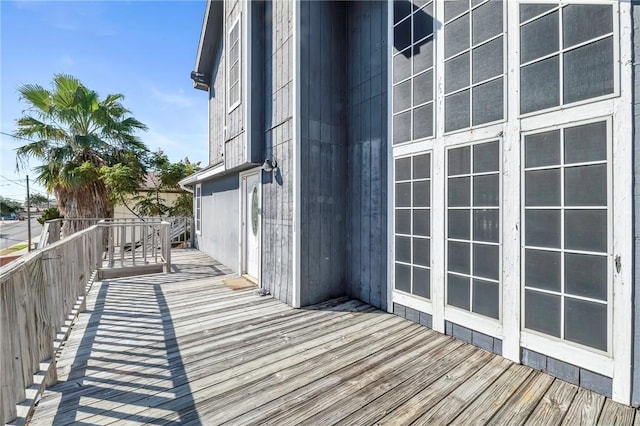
(554, 404)
(184, 348)
(519, 407)
(613, 414)
(447, 409)
(585, 409)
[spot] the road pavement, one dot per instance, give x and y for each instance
(15, 231)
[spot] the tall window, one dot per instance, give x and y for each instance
(234, 65)
(566, 233)
(198, 207)
(413, 225)
(473, 228)
(413, 88)
(474, 63)
(566, 54)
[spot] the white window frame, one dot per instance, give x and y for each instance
(562, 250)
(424, 301)
(618, 106)
(616, 53)
(412, 76)
(236, 23)
(468, 318)
(197, 208)
(472, 85)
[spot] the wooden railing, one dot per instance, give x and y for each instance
(38, 292)
(41, 293)
(136, 247)
(51, 229)
(180, 227)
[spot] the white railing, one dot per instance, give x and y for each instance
(180, 227)
(40, 292)
(136, 245)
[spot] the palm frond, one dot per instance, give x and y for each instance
(65, 90)
(47, 176)
(30, 127)
(36, 149)
(36, 96)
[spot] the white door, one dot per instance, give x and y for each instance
(251, 224)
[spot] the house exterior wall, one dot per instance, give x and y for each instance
(233, 147)
(415, 186)
(120, 211)
(278, 139)
(219, 234)
(367, 170)
(231, 141)
(636, 201)
(322, 150)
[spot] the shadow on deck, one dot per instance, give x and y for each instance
(183, 348)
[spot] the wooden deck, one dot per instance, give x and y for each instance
(186, 349)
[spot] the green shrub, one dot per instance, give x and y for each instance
(50, 214)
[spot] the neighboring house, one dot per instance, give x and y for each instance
(151, 183)
(466, 164)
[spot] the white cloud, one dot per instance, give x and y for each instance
(171, 98)
(178, 145)
(66, 61)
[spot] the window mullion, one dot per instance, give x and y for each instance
(562, 238)
(561, 63)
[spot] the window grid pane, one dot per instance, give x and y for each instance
(566, 55)
(569, 269)
(477, 35)
(412, 229)
(473, 228)
(233, 83)
(413, 77)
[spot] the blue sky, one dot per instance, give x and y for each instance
(142, 49)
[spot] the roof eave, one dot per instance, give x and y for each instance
(208, 45)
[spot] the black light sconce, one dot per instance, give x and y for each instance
(200, 80)
(270, 166)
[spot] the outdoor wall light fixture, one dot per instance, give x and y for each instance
(270, 166)
(200, 80)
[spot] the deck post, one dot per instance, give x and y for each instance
(166, 246)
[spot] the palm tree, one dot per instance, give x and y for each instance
(75, 134)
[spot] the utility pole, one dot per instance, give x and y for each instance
(28, 215)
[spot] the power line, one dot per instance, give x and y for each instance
(17, 182)
(16, 137)
(14, 181)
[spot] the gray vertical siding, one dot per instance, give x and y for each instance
(323, 150)
(220, 227)
(217, 108)
(227, 136)
(277, 189)
(256, 79)
(234, 145)
(635, 399)
(366, 227)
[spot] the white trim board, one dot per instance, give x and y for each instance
(297, 140)
(390, 159)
